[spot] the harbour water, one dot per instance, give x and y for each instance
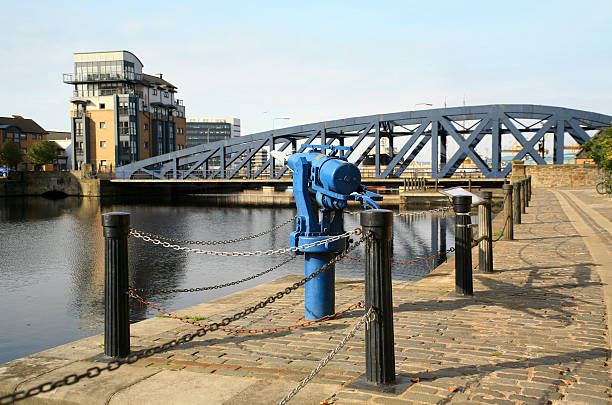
(52, 261)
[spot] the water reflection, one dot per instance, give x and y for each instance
(52, 261)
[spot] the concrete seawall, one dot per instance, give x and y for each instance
(39, 183)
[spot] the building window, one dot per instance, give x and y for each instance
(146, 127)
(154, 92)
(103, 163)
(123, 108)
(124, 128)
(103, 144)
(166, 94)
(102, 106)
(102, 124)
(24, 137)
(146, 145)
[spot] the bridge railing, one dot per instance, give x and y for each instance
(216, 173)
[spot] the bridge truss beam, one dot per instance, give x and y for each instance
(474, 132)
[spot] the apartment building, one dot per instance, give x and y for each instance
(207, 130)
(24, 132)
(120, 114)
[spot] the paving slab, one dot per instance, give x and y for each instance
(535, 331)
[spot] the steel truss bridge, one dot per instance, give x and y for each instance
(461, 129)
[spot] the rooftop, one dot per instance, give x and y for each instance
(157, 80)
(24, 124)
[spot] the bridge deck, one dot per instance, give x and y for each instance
(534, 332)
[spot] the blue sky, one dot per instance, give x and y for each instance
(315, 61)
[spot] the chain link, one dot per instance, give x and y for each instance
(365, 318)
(411, 213)
(212, 287)
(145, 353)
(502, 231)
(269, 252)
(424, 212)
(213, 242)
(450, 250)
(250, 331)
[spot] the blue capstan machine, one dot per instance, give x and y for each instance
(333, 182)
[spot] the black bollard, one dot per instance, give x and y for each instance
(523, 196)
(516, 209)
(379, 341)
(116, 226)
(485, 246)
(526, 191)
(463, 246)
(509, 231)
(529, 187)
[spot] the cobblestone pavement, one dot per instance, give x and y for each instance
(535, 332)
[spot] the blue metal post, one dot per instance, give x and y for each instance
(332, 181)
(320, 296)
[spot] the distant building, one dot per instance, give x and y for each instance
(24, 132)
(58, 135)
(207, 130)
(120, 114)
(63, 142)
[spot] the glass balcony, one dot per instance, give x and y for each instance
(72, 78)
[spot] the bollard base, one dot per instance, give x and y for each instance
(103, 358)
(455, 294)
(401, 384)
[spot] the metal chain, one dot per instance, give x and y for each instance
(502, 231)
(412, 213)
(365, 318)
(136, 234)
(145, 353)
(214, 242)
(212, 287)
(450, 250)
(249, 331)
(431, 211)
(507, 219)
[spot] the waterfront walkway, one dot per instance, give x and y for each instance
(535, 332)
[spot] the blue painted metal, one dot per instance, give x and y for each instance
(410, 131)
(334, 182)
(319, 293)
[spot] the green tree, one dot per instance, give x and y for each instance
(10, 154)
(599, 148)
(42, 153)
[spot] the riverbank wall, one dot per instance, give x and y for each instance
(550, 176)
(74, 183)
